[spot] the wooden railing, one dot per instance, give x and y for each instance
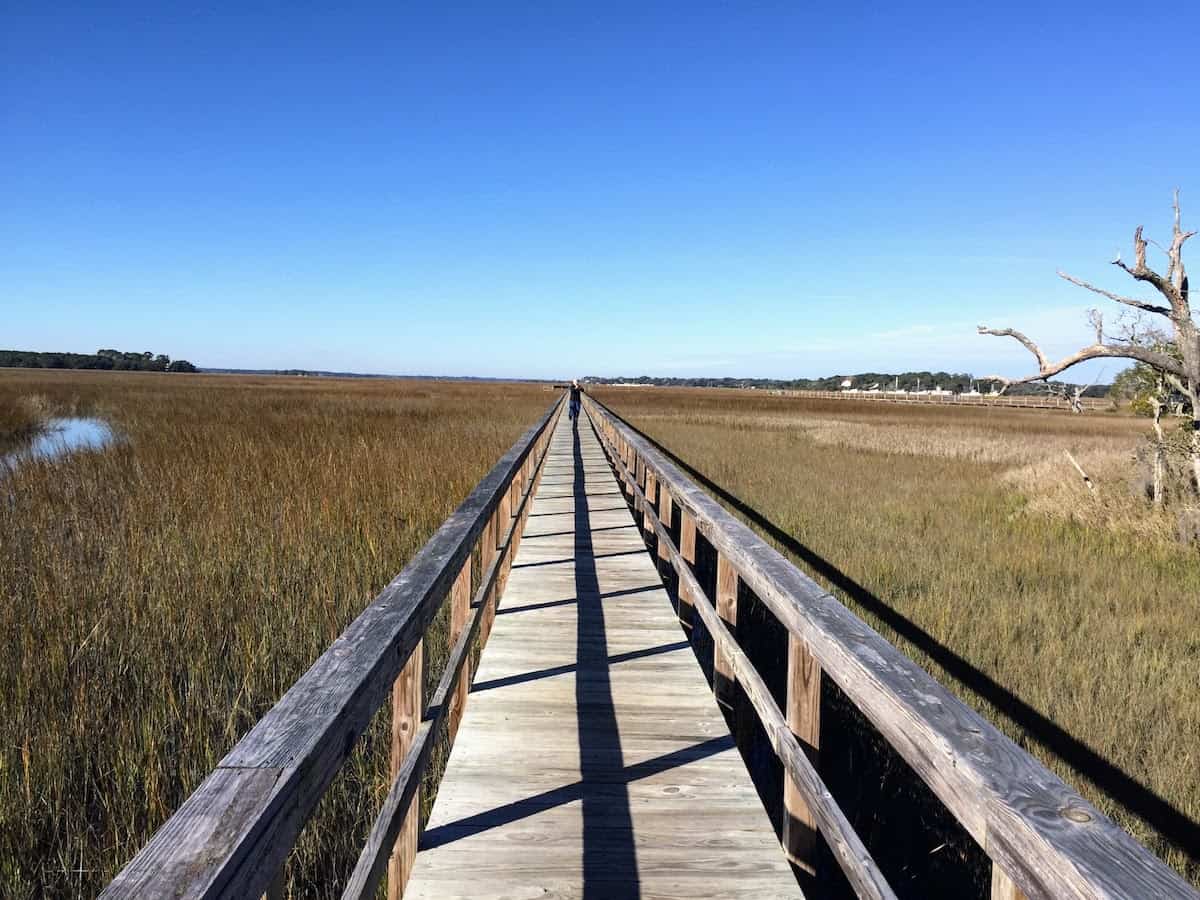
(231, 837)
(1029, 401)
(1044, 840)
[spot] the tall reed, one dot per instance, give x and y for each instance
(156, 598)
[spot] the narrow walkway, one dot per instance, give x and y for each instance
(592, 761)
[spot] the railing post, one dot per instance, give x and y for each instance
(651, 494)
(804, 720)
(687, 549)
(1002, 886)
(487, 552)
(687, 536)
(665, 515)
(460, 609)
(407, 699)
(727, 591)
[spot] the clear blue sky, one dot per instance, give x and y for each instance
(565, 188)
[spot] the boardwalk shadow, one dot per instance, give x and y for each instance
(614, 785)
(1137, 799)
(525, 677)
(609, 856)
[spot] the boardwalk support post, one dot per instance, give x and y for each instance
(804, 720)
(460, 608)
(687, 549)
(407, 698)
(724, 681)
(665, 513)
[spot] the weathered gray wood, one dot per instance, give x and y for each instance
(591, 752)
(1050, 841)
(224, 842)
(855, 861)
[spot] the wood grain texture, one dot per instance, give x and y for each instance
(727, 608)
(665, 513)
(407, 713)
(592, 761)
(804, 719)
(649, 500)
(1050, 841)
(234, 832)
(460, 608)
(687, 536)
(1003, 888)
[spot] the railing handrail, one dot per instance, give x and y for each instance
(1016, 401)
(232, 834)
(1040, 833)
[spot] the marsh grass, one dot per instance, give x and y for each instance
(159, 596)
(971, 525)
(20, 419)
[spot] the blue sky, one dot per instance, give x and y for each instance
(556, 189)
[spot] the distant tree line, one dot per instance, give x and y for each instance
(101, 359)
(905, 381)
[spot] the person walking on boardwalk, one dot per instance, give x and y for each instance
(573, 404)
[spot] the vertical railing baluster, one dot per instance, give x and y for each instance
(804, 720)
(460, 609)
(650, 491)
(1003, 887)
(407, 701)
(687, 549)
(664, 514)
(487, 552)
(727, 608)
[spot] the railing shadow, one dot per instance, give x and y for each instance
(1134, 797)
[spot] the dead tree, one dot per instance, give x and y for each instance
(1070, 394)
(1158, 404)
(1182, 372)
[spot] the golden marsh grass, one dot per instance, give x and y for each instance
(158, 597)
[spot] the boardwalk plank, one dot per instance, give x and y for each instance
(592, 760)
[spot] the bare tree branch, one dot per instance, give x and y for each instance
(1142, 272)
(1028, 344)
(1175, 271)
(1047, 369)
(1128, 301)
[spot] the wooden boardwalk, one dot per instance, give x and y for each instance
(592, 761)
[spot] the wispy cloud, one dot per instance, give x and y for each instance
(950, 344)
